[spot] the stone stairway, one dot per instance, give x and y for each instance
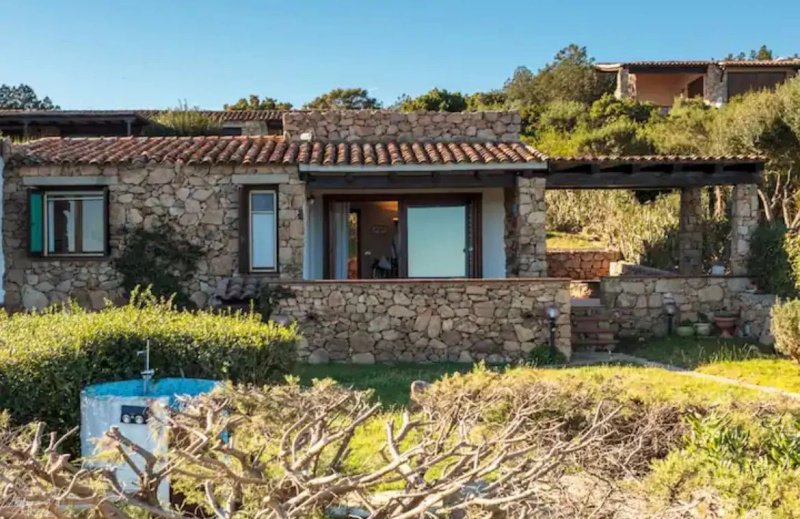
(593, 326)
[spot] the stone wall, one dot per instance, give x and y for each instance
(715, 86)
(431, 320)
(384, 125)
(637, 304)
(526, 235)
(580, 264)
(745, 214)
(199, 203)
(690, 233)
(624, 268)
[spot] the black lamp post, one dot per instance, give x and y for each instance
(670, 309)
(552, 314)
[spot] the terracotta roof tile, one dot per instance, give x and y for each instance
(256, 150)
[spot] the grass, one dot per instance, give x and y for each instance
(774, 372)
(732, 358)
(567, 241)
(691, 352)
(390, 382)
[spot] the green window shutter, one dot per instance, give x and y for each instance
(36, 224)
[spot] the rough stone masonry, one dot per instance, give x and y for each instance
(418, 320)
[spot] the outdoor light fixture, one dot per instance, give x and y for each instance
(552, 314)
(670, 309)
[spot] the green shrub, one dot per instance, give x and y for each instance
(47, 358)
(769, 264)
(786, 327)
(542, 356)
(183, 121)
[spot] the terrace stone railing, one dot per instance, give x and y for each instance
(426, 320)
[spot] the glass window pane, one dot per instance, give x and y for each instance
(262, 202)
(61, 226)
(75, 223)
(92, 230)
(262, 240)
(437, 238)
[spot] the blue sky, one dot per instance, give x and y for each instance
(153, 53)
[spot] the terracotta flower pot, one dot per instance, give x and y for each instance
(726, 325)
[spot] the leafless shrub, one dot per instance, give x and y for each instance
(286, 452)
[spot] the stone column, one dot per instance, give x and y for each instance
(690, 233)
(526, 251)
(291, 227)
(715, 86)
(624, 86)
(744, 219)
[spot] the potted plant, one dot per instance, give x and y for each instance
(685, 329)
(725, 322)
(702, 327)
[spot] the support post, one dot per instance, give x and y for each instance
(526, 249)
(744, 220)
(690, 233)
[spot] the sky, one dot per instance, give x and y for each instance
(105, 54)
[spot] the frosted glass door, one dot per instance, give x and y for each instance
(437, 241)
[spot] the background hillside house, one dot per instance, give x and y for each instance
(402, 236)
(660, 82)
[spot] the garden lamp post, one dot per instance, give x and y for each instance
(552, 314)
(670, 309)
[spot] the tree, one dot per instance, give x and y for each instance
(254, 102)
(767, 124)
(491, 100)
(763, 53)
(435, 100)
(344, 99)
(22, 97)
(571, 76)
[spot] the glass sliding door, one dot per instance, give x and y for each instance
(437, 241)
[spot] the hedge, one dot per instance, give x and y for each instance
(786, 327)
(47, 358)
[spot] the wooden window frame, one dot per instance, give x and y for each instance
(245, 224)
(45, 242)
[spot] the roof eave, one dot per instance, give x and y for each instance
(425, 168)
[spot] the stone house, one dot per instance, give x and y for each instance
(416, 236)
(660, 82)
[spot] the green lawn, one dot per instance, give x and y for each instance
(691, 352)
(390, 382)
(775, 372)
(731, 358)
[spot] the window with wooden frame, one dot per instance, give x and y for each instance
(259, 233)
(67, 222)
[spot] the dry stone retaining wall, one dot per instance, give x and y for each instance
(637, 304)
(365, 322)
(199, 203)
(580, 264)
(385, 125)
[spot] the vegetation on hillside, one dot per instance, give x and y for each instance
(254, 102)
(23, 97)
